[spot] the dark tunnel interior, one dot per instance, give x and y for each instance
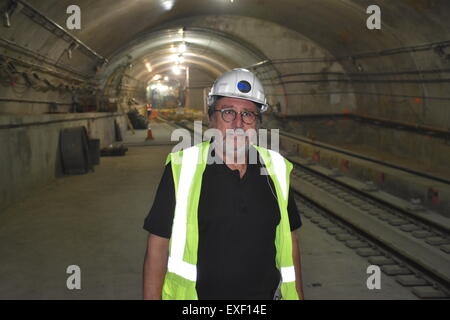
(358, 89)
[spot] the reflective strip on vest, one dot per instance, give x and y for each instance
(279, 167)
(178, 242)
(176, 264)
(288, 274)
(183, 269)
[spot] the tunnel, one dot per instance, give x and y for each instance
(95, 95)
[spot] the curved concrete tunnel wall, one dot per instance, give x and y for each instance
(313, 38)
(209, 50)
(274, 42)
(334, 26)
(263, 40)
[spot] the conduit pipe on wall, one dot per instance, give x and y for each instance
(50, 25)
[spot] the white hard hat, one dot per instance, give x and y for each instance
(239, 83)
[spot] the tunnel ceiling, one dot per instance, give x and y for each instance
(109, 27)
(224, 34)
(212, 51)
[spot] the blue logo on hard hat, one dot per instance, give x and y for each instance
(244, 86)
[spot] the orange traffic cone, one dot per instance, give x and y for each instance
(149, 134)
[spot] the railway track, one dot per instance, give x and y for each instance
(414, 262)
(431, 232)
(403, 241)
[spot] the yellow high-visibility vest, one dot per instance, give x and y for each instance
(187, 168)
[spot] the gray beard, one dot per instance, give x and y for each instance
(235, 152)
(237, 155)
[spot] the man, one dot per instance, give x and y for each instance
(232, 228)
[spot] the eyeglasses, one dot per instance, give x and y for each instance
(229, 115)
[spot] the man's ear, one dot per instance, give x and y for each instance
(211, 121)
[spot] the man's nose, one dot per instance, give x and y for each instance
(238, 123)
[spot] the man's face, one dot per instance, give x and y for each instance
(237, 105)
(233, 130)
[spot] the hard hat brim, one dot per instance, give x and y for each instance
(262, 106)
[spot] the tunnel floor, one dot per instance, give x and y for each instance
(95, 221)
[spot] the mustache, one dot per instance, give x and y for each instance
(235, 133)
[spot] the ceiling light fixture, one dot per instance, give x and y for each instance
(167, 4)
(182, 48)
(149, 67)
(176, 70)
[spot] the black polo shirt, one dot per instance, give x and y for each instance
(237, 221)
